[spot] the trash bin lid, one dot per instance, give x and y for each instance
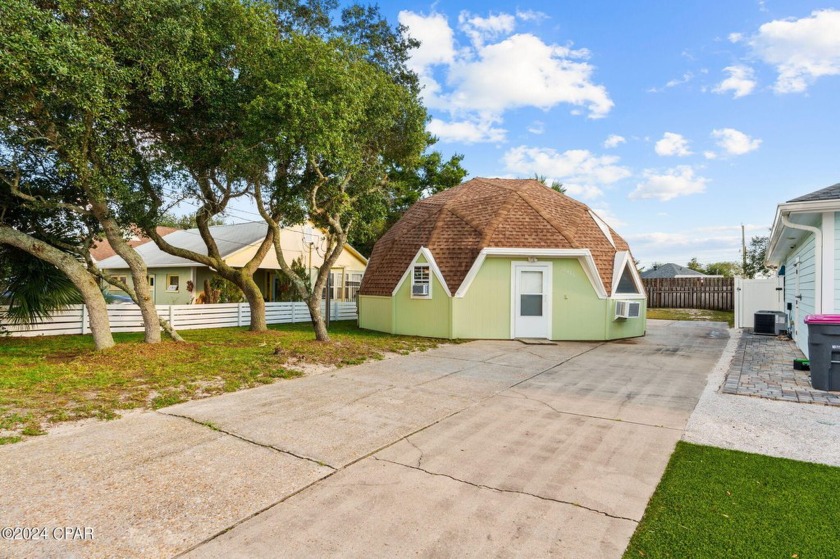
(822, 319)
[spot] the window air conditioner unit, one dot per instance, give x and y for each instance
(770, 323)
(420, 290)
(627, 309)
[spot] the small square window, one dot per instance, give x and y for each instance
(421, 285)
(173, 283)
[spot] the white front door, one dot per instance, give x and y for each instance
(531, 301)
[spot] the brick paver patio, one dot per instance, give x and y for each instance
(763, 367)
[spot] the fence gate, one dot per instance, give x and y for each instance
(753, 295)
(690, 293)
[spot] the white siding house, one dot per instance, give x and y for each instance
(805, 248)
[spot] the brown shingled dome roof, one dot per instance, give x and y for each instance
(456, 224)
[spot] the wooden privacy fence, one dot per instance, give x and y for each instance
(127, 318)
(691, 293)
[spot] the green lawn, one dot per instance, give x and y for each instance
(50, 379)
(721, 503)
(693, 314)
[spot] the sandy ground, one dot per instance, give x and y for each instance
(805, 432)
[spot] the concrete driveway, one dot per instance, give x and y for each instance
(480, 449)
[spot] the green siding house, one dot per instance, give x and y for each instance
(502, 259)
(179, 281)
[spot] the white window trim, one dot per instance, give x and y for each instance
(622, 260)
(547, 268)
(430, 260)
(168, 284)
(414, 282)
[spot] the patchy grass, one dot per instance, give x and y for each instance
(50, 379)
(722, 503)
(692, 314)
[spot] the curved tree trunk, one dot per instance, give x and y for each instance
(313, 303)
(255, 301)
(243, 278)
(84, 281)
(139, 272)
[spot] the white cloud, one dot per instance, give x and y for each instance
(614, 140)
(523, 71)
(741, 81)
(672, 144)
(467, 131)
(685, 78)
(802, 50)
(537, 127)
(732, 228)
(480, 29)
(735, 142)
(708, 244)
(437, 41)
(673, 183)
(497, 71)
(437, 47)
(581, 172)
(531, 15)
(709, 154)
(607, 215)
(735, 37)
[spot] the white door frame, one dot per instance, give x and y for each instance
(546, 269)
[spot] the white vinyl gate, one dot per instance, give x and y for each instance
(753, 295)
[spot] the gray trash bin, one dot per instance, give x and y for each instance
(824, 350)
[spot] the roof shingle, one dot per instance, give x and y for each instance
(456, 224)
(828, 193)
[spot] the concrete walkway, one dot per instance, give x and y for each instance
(480, 449)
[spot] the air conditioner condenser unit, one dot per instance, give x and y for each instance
(769, 323)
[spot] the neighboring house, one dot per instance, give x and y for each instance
(502, 259)
(169, 275)
(671, 271)
(103, 249)
(803, 245)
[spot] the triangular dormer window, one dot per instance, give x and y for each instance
(627, 285)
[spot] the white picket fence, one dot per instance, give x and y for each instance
(127, 318)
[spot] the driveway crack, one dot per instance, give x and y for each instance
(420, 458)
(552, 408)
(214, 427)
(513, 491)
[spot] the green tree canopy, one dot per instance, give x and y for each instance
(756, 256)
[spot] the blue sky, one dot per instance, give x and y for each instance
(716, 111)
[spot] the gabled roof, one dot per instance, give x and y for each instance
(232, 240)
(829, 193)
(229, 239)
(669, 270)
(103, 248)
(456, 224)
(795, 217)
